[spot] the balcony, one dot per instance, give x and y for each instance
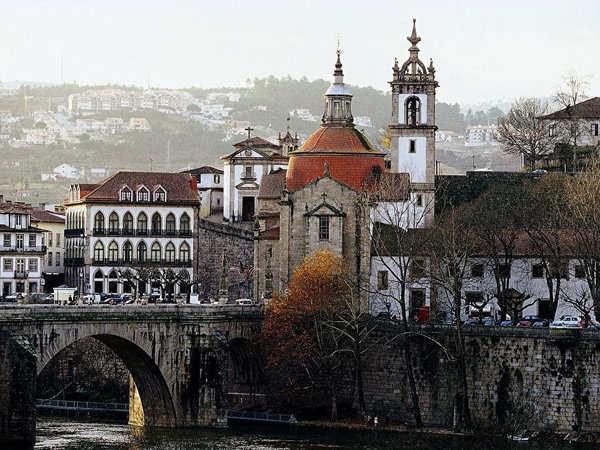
(74, 232)
(99, 231)
(135, 263)
(38, 249)
(21, 274)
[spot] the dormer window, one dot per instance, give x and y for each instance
(143, 195)
(160, 195)
(126, 194)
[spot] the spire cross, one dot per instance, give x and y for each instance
(249, 130)
(339, 49)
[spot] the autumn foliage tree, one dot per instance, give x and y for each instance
(302, 348)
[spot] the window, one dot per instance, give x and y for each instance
(413, 111)
(412, 146)
(579, 271)
(99, 251)
(128, 224)
(170, 253)
(184, 224)
(32, 264)
(143, 195)
(113, 252)
(126, 194)
(49, 259)
(560, 270)
(142, 224)
(552, 130)
(7, 240)
(113, 223)
(49, 239)
(160, 195)
(324, 228)
(477, 270)
(537, 271)
(417, 268)
(474, 298)
(170, 225)
(99, 222)
(217, 179)
(417, 299)
(184, 252)
(142, 252)
(155, 252)
(156, 224)
(594, 129)
(248, 172)
(57, 258)
(127, 252)
(32, 240)
(419, 200)
(383, 282)
(503, 270)
(8, 264)
(58, 239)
(20, 240)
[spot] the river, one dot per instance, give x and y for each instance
(67, 434)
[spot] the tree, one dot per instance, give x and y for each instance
(569, 93)
(300, 345)
(522, 133)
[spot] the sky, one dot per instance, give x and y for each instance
(482, 50)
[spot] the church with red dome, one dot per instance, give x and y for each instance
(324, 199)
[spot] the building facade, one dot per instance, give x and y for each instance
(133, 232)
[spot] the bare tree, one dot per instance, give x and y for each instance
(569, 93)
(522, 133)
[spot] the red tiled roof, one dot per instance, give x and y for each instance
(333, 139)
(180, 187)
(589, 109)
(272, 184)
(255, 142)
(9, 207)
(38, 215)
(353, 170)
(203, 170)
(272, 233)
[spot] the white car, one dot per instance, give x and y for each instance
(567, 322)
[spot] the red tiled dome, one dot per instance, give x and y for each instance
(350, 157)
(337, 139)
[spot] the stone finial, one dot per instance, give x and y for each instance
(413, 38)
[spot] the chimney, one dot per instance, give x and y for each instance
(42, 207)
(1, 198)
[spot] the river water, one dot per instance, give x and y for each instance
(65, 434)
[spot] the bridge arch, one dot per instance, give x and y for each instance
(151, 382)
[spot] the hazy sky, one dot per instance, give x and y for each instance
(482, 50)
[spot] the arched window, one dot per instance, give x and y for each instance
(127, 252)
(142, 252)
(170, 225)
(184, 225)
(99, 222)
(170, 253)
(184, 252)
(128, 224)
(156, 224)
(413, 111)
(113, 282)
(99, 252)
(113, 252)
(155, 252)
(113, 223)
(142, 224)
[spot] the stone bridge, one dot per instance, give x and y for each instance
(178, 357)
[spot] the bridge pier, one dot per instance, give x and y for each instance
(17, 391)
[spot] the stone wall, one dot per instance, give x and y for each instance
(216, 240)
(551, 376)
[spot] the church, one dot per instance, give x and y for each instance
(324, 198)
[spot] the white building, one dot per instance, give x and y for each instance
(210, 189)
(133, 232)
(21, 250)
(481, 135)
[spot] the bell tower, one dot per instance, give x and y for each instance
(413, 122)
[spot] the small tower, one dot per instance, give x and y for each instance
(338, 99)
(413, 122)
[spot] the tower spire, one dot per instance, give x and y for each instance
(414, 40)
(338, 97)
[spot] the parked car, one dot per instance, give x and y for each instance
(472, 322)
(506, 323)
(524, 324)
(532, 319)
(567, 322)
(14, 297)
(490, 322)
(244, 302)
